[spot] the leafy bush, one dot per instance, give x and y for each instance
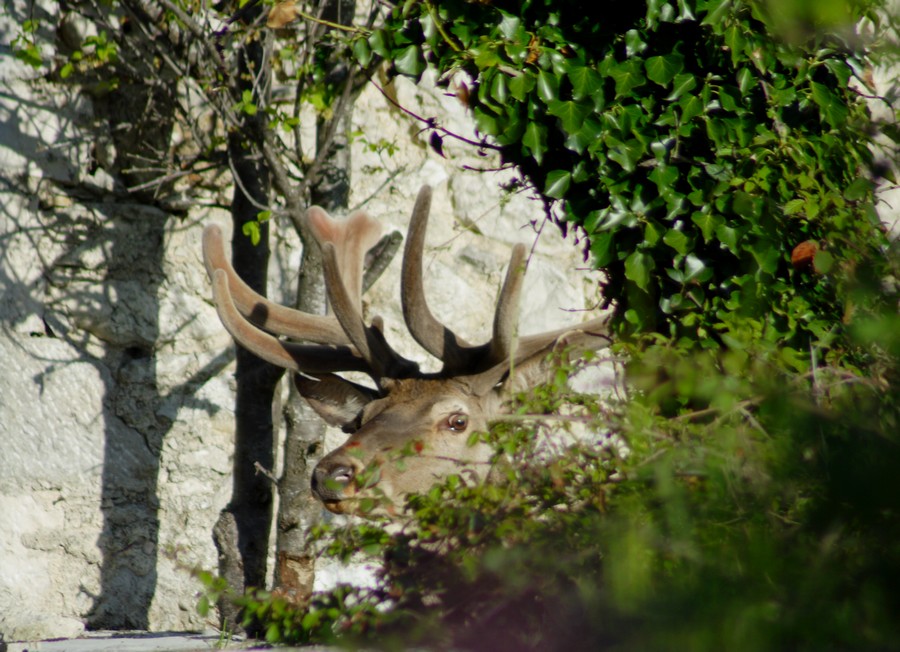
(766, 520)
(695, 147)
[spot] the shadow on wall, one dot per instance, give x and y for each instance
(98, 294)
(93, 279)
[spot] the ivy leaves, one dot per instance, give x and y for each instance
(693, 145)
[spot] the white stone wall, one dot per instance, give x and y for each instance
(115, 394)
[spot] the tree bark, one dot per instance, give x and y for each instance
(242, 533)
(305, 436)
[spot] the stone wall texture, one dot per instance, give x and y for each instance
(116, 397)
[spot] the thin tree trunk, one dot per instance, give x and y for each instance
(242, 532)
(305, 437)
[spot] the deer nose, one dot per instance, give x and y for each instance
(330, 478)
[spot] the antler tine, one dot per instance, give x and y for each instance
(341, 302)
(431, 334)
(383, 360)
(277, 318)
(506, 315)
(299, 358)
(351, 238)
(594, 328)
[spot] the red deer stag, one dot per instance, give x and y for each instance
(423, 418)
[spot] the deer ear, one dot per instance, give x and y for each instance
(338, 401)
(505, 379)
(535, 367)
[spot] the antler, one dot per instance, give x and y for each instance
(259, 310)
(344, 245)
(457, 355)
(341, 341)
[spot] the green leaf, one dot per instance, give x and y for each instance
(588, 133)
(509, 24)
(572, 114)
(627, 76)
(30, 54)
(746, 205)
(378, 41)
(486, 57)
(683, 83)
(362, 50)
(716, 12)
(833, 109)
(665, 177)
(535, 139)
(678, 241)
(823, 262)
(246, 105)
(707, 223)
(251, 230)
(634, 44)
(662, 69)
(766, 255)
(603, 248)
(557, 183)
(409, 62)
(499, 89)
(652, 232)
(840, 69)
(793, 206)
(859, 189)
(691, 107)
(734, 39)
(513, 127)
(547, 86)
(730, 99)
(626, 154)
(746, 80)
(728, 236)
(586, 82)
(520, 85)
(638, 267)
(273, 633)
(695, 270)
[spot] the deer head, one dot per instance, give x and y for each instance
(412, 428)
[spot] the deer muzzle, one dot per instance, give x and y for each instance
(333, 480)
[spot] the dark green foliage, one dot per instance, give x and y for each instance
(693, 145)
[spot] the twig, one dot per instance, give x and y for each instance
(196, 30)
(440, 27)
(265, 472)
(328, 23)
(381, 256)
(237, 179)
(699, 414)
(171, 177)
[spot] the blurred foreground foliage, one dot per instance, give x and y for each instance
(704, 510)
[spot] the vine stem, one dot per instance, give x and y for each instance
(440, 27)
(432, 124)
(344, 28)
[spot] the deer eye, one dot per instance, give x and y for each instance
(457, 422)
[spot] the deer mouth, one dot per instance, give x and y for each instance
(334, 486)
